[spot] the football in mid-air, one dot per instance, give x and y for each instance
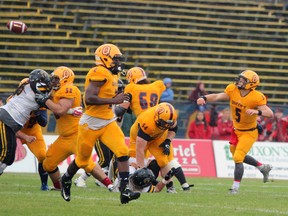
(17, 27)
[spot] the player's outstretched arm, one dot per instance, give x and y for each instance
(212, 98)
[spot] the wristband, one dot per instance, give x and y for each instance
(164, 181)
(259, 112)
(70, 111)
(204, 97)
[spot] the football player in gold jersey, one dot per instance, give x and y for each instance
(246, 104)
(66, 106)
(143, 94)
(105, 155)
(153, 131)
(99, 120)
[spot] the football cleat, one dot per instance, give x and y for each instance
(187, 188)
(265, 171)
(65, 188)
(127, 195)
(44, 187)
(80, 182)
(171, 189)
(111, 188)
(233, 191)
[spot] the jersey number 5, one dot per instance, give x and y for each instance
(238, 114)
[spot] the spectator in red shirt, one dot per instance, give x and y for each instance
(284, 129)
(199, 129)
(279, 133)
(224, 125)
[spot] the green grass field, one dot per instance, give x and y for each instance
(20, 195)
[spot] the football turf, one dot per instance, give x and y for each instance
(20, 195)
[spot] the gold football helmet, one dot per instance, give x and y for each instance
(62, 76)
(165, 116)
(135, 75)
(251, 78)
(109, 56)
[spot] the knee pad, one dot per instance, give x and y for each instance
(174, 164)
(48, 167)
(54, 171)
(123, 158)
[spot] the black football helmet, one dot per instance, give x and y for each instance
(40, 81)
(142, 177)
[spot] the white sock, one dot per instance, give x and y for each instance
(84, 176)
(236, 185)
(185, 185)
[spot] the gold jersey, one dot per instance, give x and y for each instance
(144, 96)
(67, 124)
(147, 124)
(239, 105)
(108, 90)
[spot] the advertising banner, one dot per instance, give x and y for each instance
(202, 158)
(196, 156)
(273, 153)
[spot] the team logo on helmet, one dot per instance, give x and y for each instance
(62, 76)
(165, 116)
(135, 75)
(142, 177)
(109, 56)
(251, 80)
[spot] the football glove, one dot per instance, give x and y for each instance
(76, 111)
(41, 98)
(166, 146)
(128, 97)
